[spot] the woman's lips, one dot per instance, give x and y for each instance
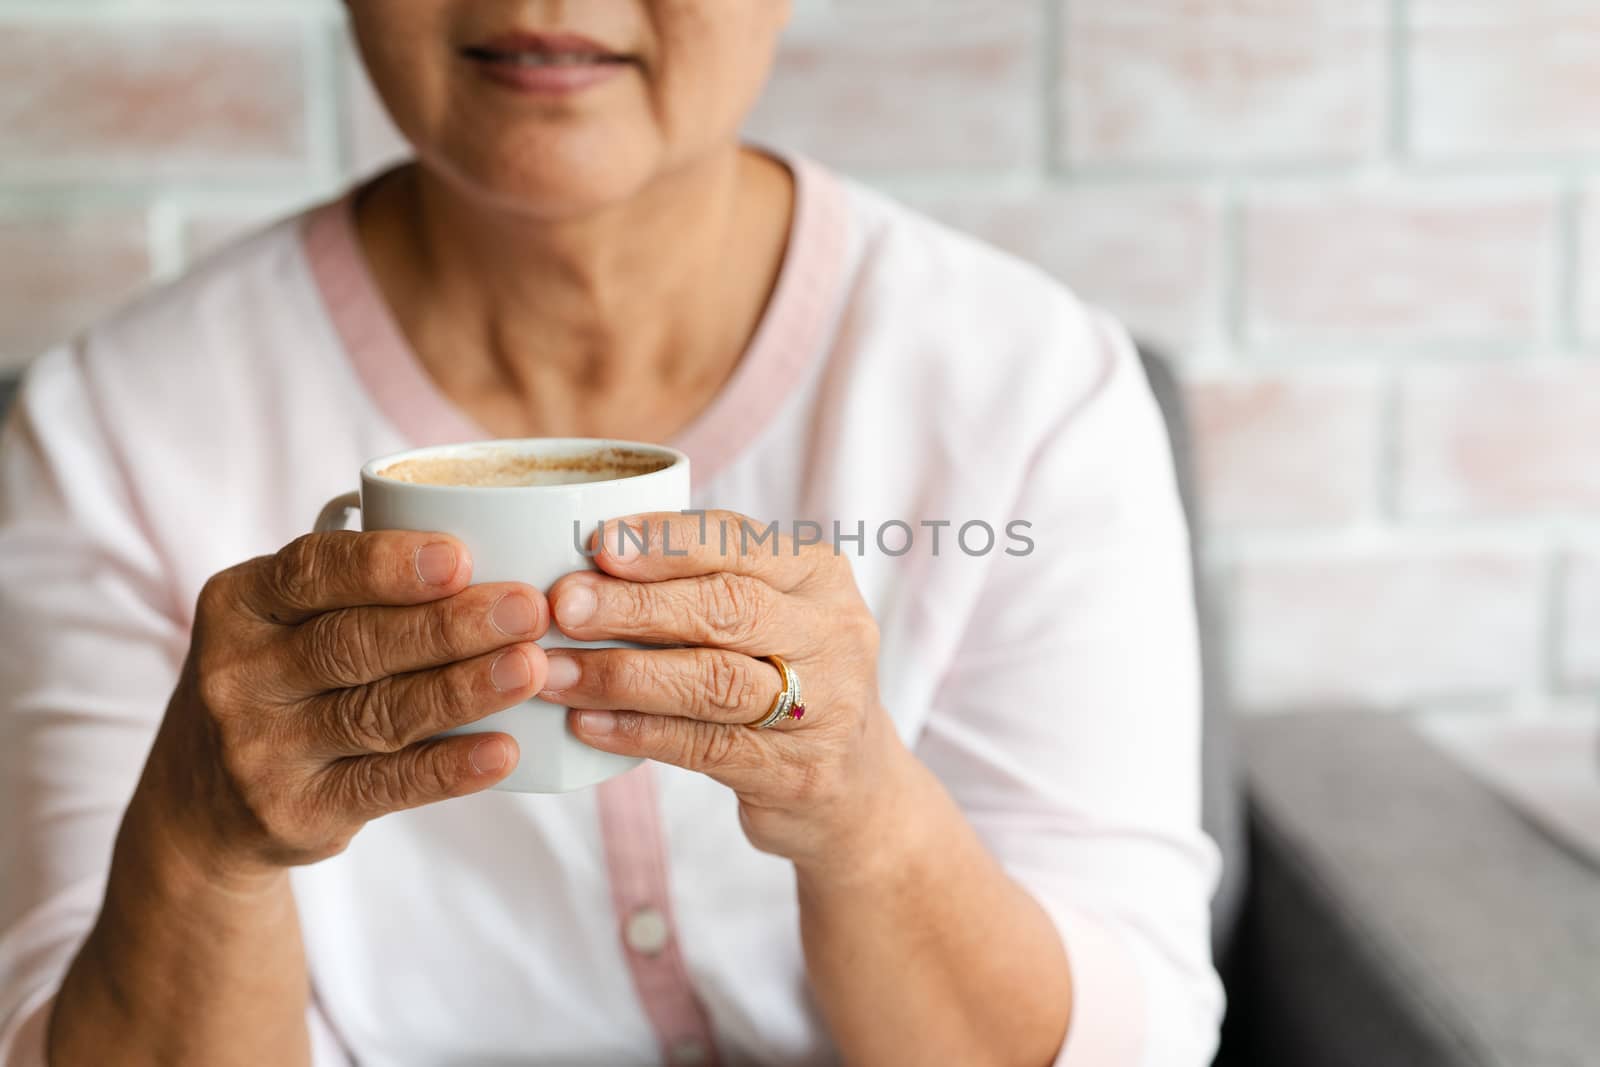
(545, 62)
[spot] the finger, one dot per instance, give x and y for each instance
(668, 544)
(430, 771)
(390, 714)
(340, 649)
(731, 754)
(345, 569)
(723, 610)
(696, 683)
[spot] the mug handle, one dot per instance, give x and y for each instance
(336, 512)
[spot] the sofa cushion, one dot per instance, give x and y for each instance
(1401, 913)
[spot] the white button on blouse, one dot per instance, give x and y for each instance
(646, 931)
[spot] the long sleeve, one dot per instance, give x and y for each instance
(91, 642)
(1068, 728)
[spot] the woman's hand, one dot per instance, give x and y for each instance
(313, 680)
(808, 788)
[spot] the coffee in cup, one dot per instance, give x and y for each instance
(495, 466)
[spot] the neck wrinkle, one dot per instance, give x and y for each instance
(633, 288)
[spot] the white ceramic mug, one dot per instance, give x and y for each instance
(524, 533)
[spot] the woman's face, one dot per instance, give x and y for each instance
(556, 108)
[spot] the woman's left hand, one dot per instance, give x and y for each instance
(809, 788)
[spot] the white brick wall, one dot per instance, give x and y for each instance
(1368, 231)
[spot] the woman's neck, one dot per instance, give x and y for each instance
(622, 323)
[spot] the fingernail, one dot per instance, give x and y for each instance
(436, 564)
(514, 615)
(597, 723)
(510, 671)
(576, 605)
(562, 674)
(629, 537)
(487, 756)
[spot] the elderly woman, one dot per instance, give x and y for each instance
(980, 845)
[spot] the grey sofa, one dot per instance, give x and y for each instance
(1379, 907)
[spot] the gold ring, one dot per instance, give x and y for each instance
(787, 704)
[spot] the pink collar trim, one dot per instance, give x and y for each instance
(789, 337)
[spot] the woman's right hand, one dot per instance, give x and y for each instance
(314, 682)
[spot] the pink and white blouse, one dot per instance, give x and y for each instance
(902, 374)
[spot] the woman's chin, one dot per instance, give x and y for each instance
(558, 200)
(548, 182)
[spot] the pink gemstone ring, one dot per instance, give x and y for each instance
(787, 704)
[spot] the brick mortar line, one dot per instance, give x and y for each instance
(1567, 299)
(168, 10)
(1552, 622)
(326, 101)
(1366, 540)
(1388, 452)
(1358, 351)
(1052, 85)
(1398, 75)
(1234, 281)
(43, 200)
(1334, 371)
(1377, 169)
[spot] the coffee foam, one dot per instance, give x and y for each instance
(501, 470)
